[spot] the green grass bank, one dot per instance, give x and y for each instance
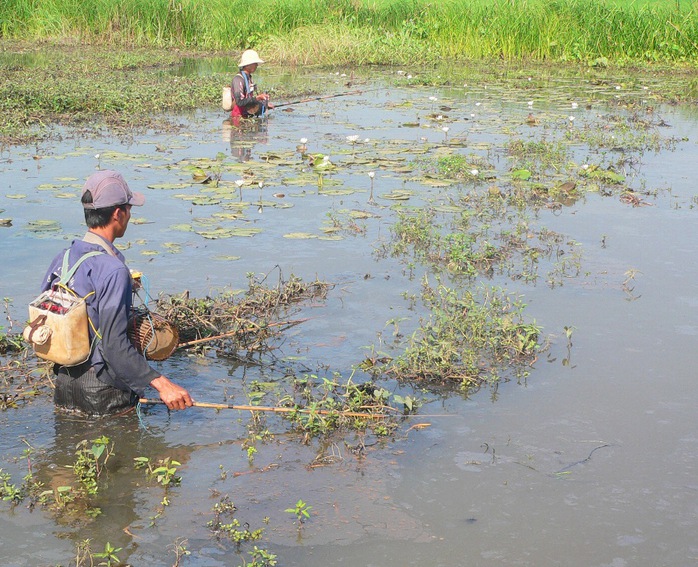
(329, 32)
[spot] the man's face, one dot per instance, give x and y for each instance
(123, 215)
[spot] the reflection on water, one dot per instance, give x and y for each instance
(512, 478)
(243, 134)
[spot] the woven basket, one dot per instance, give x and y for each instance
(152, 334)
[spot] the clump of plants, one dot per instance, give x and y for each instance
(323, 406)
(469, 338)
(244, 321)
(225, 526)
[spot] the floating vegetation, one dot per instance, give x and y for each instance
(43, 226)
(470, 337)
(236, 321)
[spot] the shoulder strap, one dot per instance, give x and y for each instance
(92, 238)
(66, 273)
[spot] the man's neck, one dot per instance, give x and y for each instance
(105, 232)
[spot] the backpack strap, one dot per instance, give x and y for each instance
(92, 238)
(66, 273)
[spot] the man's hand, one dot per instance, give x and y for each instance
(174, 396)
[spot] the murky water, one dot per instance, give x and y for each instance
(592, 460)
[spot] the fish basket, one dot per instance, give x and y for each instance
(152, 334)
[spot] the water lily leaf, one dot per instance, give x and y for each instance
(303, 180)
(182, 227)
(216, 233)
(65, 195)
(398, 195)
(169, 185)
(447, 209)
(336, 191)
(246, 232)
(363, 215)
(438, 183)
(5, 222)
(139, 220)
(227, 216)
(16, 196)
(149, 252)
(173, 247)
(522, 174)
(331, 237)
(300, 235)
(38, 226)
(205, 201)
(226, 258)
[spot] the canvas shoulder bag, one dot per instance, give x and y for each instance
(58, 328)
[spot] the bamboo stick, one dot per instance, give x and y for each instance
(272, 409)
(240, 331)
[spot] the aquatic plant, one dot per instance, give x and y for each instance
(469, 338)
(301, 511)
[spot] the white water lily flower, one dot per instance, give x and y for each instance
(432, 98)
(304, 140)
(400, 72)
(96, 156)
(574, 105)
(472, 115)
(617, 87)
(352, 139)
(530, 103)
(239, 182)
(478, 103)
(439, 117)
(585, 166)
(571, 118)
(367, 140)
(409, 76)
(261, 184)
(474, 172)
(445, 128)
(371, 174)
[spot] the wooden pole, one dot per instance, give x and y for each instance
(273, 409)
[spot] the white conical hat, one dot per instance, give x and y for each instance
(249, 57)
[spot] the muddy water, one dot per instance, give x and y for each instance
(591, 460)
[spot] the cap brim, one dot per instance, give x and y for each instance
(136, 199)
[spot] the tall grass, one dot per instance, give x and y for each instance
(374, 31)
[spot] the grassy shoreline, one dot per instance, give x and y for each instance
(380, 32)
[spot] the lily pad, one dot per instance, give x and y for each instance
(397, 195)
(226, 258)
(182, 227)
(521, 174)
(300, 235)
(169, 185)
(336, 191)
(205, 201)
(41, 226)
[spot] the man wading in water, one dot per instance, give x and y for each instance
(115, 375)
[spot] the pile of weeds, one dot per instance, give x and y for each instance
(234, 321)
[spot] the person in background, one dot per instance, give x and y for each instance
(246, 102)
(116, 374)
